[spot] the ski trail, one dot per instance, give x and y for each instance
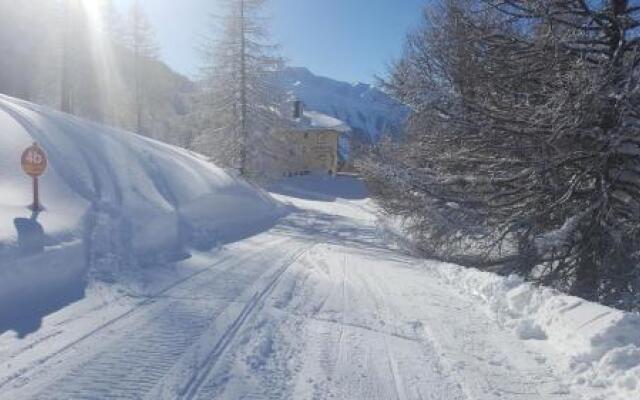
(147, 338)
(252, 305)
(345, 307)
(487, 362)
(385, 316)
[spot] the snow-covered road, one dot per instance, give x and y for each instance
(318, 307)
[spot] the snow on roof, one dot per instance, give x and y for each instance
(317, 120)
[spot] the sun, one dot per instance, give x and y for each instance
(92, 10)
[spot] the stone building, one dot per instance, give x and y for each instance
(312, 143)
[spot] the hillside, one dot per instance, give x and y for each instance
(370, 112)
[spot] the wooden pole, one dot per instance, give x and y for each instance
(36, 194)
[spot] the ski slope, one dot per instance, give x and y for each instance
(317, 304)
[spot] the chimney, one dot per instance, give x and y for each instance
(298, 109)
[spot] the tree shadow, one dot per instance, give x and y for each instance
(321, 188)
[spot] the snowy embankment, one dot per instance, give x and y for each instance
(115, 203)
(597, 347)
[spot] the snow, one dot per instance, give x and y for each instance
(114, 203)
(366, 110)
(596, 347)
(318, 304)
(323, 121)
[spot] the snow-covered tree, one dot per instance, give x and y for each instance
(140, 39)
(524, 135)
(27, 32)
(241, 103)
(113, 22)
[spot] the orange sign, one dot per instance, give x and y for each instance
(34, 161)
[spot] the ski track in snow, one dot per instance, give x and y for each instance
(317, 308)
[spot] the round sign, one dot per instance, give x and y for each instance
(34, 161)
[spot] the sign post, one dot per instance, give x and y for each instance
(34, 163)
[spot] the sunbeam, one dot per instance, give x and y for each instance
(110, 82)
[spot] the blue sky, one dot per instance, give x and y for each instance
(349, 40)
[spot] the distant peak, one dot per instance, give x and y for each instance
(298, 70)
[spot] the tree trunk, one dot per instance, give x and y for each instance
(65, 81)
(243, 91)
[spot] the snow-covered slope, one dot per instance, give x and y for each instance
(368, 111)
(115, 203)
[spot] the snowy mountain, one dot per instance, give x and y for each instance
(368, 111)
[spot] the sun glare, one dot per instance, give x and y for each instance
(103, 57)
(91, 9)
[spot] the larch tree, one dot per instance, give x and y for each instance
(113, 23)
(524, 138)
(28, 44)
(140, 40)
(241, 104)
(69, 29)
(80, 76)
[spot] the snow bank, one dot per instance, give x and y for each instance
(598, 346)
(123, 199)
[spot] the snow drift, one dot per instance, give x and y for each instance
(599, 347)
(114, 202)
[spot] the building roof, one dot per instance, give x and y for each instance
(313, 120)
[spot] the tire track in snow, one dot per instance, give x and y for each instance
(193, 389)
(482, 360)
(385, 316)
(382, 360)
(345, 303)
